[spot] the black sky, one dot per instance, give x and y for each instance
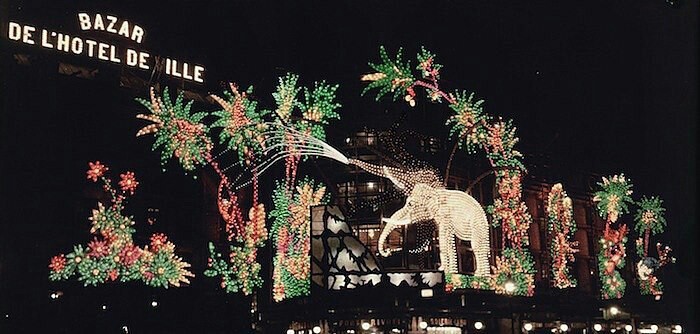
(600, 86)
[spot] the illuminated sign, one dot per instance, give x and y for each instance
(77, 45)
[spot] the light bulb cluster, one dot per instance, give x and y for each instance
(649, 221)
(291, 227)
(561, 227)
(470, 123)
(112, 254)
(612, 201)
(246, 130)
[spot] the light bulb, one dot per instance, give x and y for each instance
(478, 325)
(528, 326)
(290, 331)
(365, 325)
(614, 310)
(628, 328)
(423, 325)
(317, 329)
(154, 303)
(597, 327)
(510, 287)
(564, 327)
(654, 328)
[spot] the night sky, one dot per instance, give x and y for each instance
(598, 86)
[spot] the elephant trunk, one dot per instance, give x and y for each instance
(398, 219)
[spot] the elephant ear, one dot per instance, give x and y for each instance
(425, 202)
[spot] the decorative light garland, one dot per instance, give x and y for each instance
(561, 228)
(474, 129)
(112, 255)
(650, 220)
(612, 201)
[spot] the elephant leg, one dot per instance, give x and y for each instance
(448, 253)
(481, 248)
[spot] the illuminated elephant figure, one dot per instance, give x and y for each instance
(455, 213)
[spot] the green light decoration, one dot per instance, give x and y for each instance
(318, 109)
(246, 129)
(241, 272)
(291, 228)
(390, 76)
(614, 197)
(286, 97)
(242, 124)
(112, 255)
(472, 128)
(467, 124)
(463, 281)
(178, 131)
(612, 201)
(517, 266)
(650, 220)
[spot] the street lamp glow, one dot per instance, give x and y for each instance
(509, 286)
(423, 325)
(528, 326)
(365, 325)
(597, 327)
(614, 310)
(564, 327)
(478, 325)
(628, 328)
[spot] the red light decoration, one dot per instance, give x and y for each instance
(561, 227)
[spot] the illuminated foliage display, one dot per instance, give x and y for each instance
(242, 271)
(474, 129)
(177, 130)
(612, 201)
(291, 228)
(112, 254)
(561, 228)
(650, 220)
(242, 124)
(260, 139)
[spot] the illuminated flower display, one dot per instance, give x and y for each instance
(473, 128)
(112, 255)
(561, 227)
